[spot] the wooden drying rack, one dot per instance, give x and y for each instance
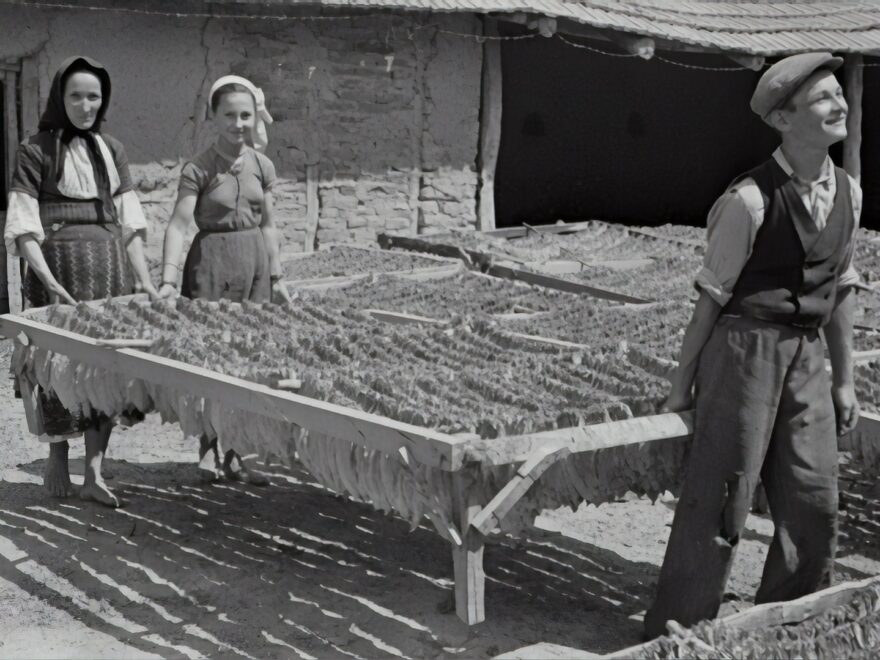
(473, 520)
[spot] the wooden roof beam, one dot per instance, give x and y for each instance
(753, 62)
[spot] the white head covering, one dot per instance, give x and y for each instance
(260, 138)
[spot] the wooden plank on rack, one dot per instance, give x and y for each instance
(401, 318)
(518, 448)
(558, 228)
(797, 611)
(424, 445)
(865, 440)
(551, 282)
(662, 237)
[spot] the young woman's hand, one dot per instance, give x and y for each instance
(167, 292)
(151, 291)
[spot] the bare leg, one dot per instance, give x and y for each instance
(94, 487)
(206, 445)
(242, 473)
(56, 479)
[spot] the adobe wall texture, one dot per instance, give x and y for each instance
(384, 115)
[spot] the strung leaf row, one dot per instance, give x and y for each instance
(849, 631)
(344, 260)
(464, 294)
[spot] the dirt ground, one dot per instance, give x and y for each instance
(290, 570)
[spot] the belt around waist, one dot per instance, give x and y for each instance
(777, 319)
(225, 230)
(85, 212)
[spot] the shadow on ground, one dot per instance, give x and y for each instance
(291, 570)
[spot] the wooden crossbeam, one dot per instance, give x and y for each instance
(578, 439)
(541, 279)
(373, 431)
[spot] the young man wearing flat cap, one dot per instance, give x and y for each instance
(778, 269)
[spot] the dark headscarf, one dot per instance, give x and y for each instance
(55, 119)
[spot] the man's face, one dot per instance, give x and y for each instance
(816, 115)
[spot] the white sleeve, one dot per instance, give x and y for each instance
(22, 218)
(850, 275)
(130, 214)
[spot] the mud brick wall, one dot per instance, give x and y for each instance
(382, 115)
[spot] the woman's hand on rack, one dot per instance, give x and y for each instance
(280, 294)
(152, 291)
(167, 292)
(58, 294)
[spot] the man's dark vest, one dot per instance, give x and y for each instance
(791, 276)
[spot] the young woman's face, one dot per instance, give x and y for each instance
(82, 99)
(235, 117)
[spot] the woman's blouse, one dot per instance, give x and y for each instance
(230, 191)
(77, 183)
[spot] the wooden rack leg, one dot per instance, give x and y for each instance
(470, 580)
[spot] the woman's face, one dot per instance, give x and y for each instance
(235, 117)
(82, 99)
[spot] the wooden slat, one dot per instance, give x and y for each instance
(853, 72)
(865, 440)
(516, 449)
(557, 228)
(401, 318)
(490, 124)
(551, 282)
(312, 208)
(797, 611)
(30, 96)
(426, 446)
(662, 237)
(10, 120)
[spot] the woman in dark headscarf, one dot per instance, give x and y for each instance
(73, 216)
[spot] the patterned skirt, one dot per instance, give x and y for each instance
(90, 262)
(233, 265)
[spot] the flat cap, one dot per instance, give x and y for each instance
(782, 80)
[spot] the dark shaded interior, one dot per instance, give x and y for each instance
(592, 136)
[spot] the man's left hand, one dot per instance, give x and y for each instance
(280, 293)
(846, 408)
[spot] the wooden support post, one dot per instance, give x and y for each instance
(11, 265)
(467, 559)
(854, 80)
(490, 126)
(312, 208)
(30, 96)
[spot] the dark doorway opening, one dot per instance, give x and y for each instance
(591, 136)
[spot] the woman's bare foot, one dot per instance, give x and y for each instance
(56, 478)
(94, 491)
(93, 487)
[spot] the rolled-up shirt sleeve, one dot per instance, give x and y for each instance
(22, 218)
(849, 275)
(732, 225)
(131, 215)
